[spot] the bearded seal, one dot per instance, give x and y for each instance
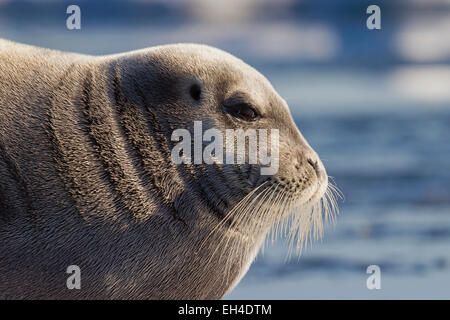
(86, 176)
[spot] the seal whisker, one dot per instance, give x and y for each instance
(285, 200)
(251, 227)
(264, 206)
(280, 199)
(240, 204)
(255, 205)
(232, 226)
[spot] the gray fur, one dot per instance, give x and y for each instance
(86, 177)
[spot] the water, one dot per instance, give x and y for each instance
(394, 172)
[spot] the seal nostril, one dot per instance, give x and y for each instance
(315, 165)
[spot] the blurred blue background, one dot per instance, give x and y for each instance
(375, 104)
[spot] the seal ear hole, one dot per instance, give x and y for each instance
(195, 91)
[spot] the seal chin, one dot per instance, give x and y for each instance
(322, 186)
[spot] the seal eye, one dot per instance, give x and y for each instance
(195, 92)
(242, 111)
